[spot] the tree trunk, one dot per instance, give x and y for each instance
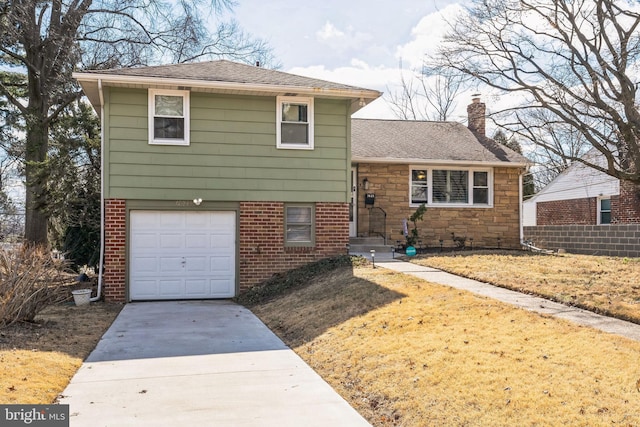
(37, 143)
(36, 221)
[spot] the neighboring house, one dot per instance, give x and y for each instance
(217, 175)
(581, 195)
(470, 184)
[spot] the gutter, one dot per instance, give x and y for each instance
(414, 161)
(100, 261)
(521, 215)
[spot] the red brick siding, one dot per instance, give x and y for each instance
(625, 209)
(262, 251)
(567, 212)
(261, 246)
(115, 250)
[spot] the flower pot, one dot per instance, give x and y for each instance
(81, 296)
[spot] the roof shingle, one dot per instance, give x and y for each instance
(421, 141)
(225, 71)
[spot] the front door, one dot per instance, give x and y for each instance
(353, 204)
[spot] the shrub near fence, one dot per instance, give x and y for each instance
(612, 240)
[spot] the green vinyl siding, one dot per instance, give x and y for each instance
(232, 155)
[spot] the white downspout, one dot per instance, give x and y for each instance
(520, 192)
(100, 261)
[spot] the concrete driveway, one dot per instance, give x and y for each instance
(199, 363)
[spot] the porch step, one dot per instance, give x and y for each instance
(367, 244)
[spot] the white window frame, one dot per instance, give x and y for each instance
(310, 122)
(312, 225)
(599, 217)
(186, 117)
(470, 186)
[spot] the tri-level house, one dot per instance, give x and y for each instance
(217, 175)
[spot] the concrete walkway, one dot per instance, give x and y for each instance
(528, 302)
(199, 363)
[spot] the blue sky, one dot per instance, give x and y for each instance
(355, 42)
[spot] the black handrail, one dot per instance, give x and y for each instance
(378, 222)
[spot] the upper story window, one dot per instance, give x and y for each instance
(168, 117)
(295, 122)
(451, 187)
(604, 211)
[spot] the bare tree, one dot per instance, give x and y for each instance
(573, 63)
(47, 40)
(426, 95)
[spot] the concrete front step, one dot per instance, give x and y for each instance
(374, 240)
(368, 248)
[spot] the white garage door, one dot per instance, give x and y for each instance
(182, 255)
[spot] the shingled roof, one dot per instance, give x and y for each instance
(225, 71)
(428, 142)
(220, 76)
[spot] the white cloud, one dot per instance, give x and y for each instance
(342, 41)
(329, 31)
(427, 35)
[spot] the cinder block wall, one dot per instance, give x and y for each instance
(611, 240)
(390, 184)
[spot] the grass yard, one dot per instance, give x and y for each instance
(606, 285)
(37, 360)
(405, 352)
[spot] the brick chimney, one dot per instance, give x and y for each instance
(476, 112)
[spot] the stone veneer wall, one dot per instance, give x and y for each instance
(261, 245)
(390, 184)
(611, 240)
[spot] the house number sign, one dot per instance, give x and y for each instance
(183, 203)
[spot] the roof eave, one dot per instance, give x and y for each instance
(359, 159)
(88, 80)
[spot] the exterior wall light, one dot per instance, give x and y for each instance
(365, 184)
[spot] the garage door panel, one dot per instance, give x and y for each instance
(144, 240)
(219, 287)
(182, 255)
(171, 288)
(198, 220)
(170, 264)
(197, 288)
(196, 264)
(196, 241)
(146, 289)
(221, 264)
(171, 219)
(145, 265)
(171, 241)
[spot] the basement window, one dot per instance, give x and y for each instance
(299, 225)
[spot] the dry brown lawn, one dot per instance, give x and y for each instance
(606, 285)
(37, 360)
(406, 352)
